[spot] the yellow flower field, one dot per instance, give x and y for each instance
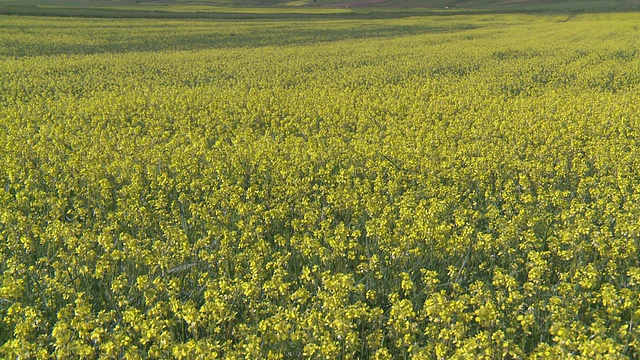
(417, 188)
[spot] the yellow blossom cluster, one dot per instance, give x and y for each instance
(426, 188)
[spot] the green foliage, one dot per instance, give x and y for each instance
(469, 193)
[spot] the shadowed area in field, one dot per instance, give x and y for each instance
(20, 38)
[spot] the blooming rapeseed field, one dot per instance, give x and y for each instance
(425, 188)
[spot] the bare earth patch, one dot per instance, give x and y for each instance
(356, 3)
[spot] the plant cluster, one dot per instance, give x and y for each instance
(464, 194)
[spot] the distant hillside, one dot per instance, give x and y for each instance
(461, 4)
(227, 8)
(583, 4)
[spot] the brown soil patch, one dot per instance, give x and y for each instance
(355, 3)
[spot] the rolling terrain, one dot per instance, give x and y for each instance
(328, 180)
(289, 8)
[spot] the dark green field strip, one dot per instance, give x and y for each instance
(91, 36)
